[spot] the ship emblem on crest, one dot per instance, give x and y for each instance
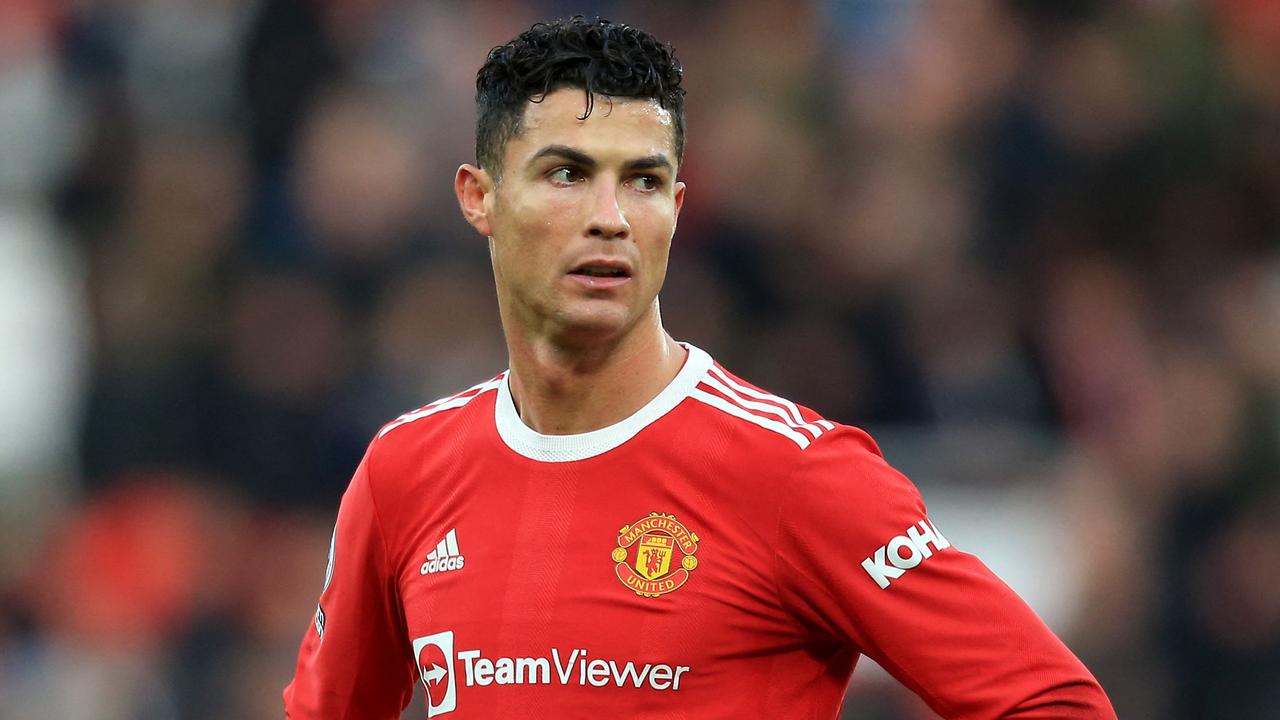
(649, 549)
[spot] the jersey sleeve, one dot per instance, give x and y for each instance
(355, 661)
(860, 562)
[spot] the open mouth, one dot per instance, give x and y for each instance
(601, 271)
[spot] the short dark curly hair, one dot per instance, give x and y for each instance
(598, 56)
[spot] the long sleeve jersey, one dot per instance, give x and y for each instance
(721, 553)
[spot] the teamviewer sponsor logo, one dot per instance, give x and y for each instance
(445, 557)
(435, 665)
(438, 663)
(575, 667)
(904, 552)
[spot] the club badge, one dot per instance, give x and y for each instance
(655, 555)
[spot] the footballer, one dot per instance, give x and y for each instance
(618, 526)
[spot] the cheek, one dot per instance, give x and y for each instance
(543, 219)
(658, 262)
(657, 226)
(656, 252)
(531, 243)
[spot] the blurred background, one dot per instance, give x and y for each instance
(1031, 246)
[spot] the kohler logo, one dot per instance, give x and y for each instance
(904, 552)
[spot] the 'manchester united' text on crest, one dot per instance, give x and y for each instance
(649, 548)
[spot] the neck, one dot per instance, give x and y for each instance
(562, 389)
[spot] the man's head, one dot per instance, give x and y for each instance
(595, 56)
(583, 121)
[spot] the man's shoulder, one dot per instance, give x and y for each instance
(763, 415)
(431, 416)
(779, 449)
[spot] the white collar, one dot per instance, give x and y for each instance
(567, 448)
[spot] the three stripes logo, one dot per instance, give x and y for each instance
(445, 557)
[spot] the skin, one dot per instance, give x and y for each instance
(585, 352)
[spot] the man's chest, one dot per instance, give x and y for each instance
(635, 582)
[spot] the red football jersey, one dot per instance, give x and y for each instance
(722, 553)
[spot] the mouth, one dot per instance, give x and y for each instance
(602, 269)
(600, 275)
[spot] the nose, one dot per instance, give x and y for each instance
(607, 221)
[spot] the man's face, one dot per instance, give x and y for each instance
(582, 218)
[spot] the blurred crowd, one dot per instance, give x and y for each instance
(1033, 246)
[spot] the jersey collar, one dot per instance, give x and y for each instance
(567, 448)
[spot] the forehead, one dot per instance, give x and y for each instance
(625, 127)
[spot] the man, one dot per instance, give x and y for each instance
(618, 526)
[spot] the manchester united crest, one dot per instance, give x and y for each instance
(655, 555)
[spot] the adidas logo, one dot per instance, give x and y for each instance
(445, 557)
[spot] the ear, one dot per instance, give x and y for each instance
(679, 198)
(473, 186)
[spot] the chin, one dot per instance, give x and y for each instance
(594, 325)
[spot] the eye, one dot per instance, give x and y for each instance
(646, 183)
(565, 175)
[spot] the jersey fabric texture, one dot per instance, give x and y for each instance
(722, 553)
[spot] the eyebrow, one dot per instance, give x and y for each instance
(578, 157)
(652, 162)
